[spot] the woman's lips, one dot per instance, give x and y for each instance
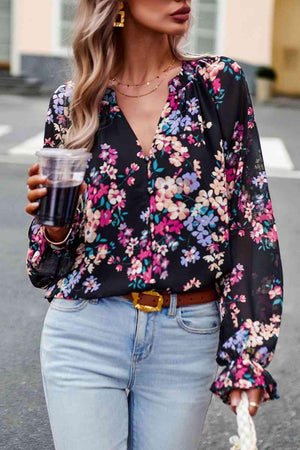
(181, 16)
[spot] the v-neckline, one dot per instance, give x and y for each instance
(171, 84)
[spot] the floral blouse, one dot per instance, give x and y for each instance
(195, 211)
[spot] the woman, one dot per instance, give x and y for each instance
(175, 202)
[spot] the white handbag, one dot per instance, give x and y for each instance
(246, 439)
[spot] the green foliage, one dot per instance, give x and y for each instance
(266, 72)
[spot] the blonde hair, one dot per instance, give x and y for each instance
(94, 57)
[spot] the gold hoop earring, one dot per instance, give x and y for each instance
(121, 13)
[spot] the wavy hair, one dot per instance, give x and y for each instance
(95, 42)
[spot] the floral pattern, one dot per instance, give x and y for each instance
(195, 211)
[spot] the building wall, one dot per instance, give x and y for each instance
(286, 50)
(248, 30)
(34, 27)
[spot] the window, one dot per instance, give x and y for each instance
(4, 30)
(64, 14)
(66, 25)
(203, 37)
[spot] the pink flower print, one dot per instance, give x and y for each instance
(216, 85)
(259, 381)
(194, 282)
(236, 274)
(257, 232)
(243, 384)
(49, 142)
(176, 159)
(124, 234)
(275, 292)
(105, 217)
(191, 139)
(219, 384)
(130, 181)
(241, 372)
(143, 254)
(166, 186)
(102, 190)
(36, 258)
(235, 66)
(111, 171)
(173, 102)
(91, 284)
(211, 72)
(160, 202)
(147, 276)
(116, 196)
(119, 267)
(102, 250)
(104, 153)
(272, 234)
(113, 156)
(135, 269)
(135, 167)
(230, 174)
(163, 226)
(178, 210)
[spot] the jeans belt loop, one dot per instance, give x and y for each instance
(173, 305)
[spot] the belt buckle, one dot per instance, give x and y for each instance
(147, 308)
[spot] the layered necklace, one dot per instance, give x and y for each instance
(147, 83)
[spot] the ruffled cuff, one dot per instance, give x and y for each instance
(244, 373)
(44, 263)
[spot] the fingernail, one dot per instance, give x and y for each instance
(35, 204)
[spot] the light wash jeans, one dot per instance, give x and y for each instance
(117, 378)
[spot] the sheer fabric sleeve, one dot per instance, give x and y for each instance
(251, 294)
(44, 263)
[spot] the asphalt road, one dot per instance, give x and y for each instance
(24, 422)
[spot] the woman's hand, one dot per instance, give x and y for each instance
(254, 395)
(35, 193)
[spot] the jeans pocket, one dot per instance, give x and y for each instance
(203, 318)
(63, 304)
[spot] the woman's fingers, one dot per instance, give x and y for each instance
(83, 188)
(31, 208)
(35, 180)
(254, 395)
(33, 170)
(235, 397)
(34, 194)
(35, 191)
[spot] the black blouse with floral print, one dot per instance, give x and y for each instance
(195, 211)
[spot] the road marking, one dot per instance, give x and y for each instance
(28, 147)
(278, 173)
(5, 129)
(275, 154)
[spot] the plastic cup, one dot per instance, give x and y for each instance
(64, 169)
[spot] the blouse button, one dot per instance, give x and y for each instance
(150, 190)
(147, 157)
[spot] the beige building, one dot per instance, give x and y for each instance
(34, 36)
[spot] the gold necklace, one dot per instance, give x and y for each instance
(141, 95)
(147, 82)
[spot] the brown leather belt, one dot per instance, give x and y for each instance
(154, 301)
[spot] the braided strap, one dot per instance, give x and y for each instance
(246, 429)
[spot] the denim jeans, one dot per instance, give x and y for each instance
(118, 378)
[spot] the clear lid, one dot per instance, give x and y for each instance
(64, 153)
